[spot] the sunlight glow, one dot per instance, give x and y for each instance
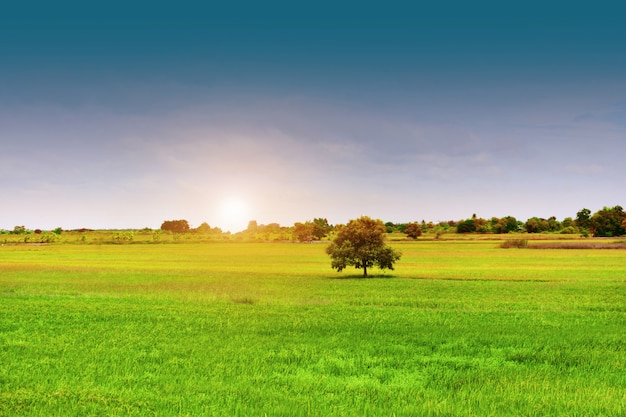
(234, 214)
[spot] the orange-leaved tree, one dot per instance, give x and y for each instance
(361, 243)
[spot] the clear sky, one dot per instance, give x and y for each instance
(126, 114)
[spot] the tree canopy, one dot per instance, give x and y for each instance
(609, 221)
(413, 230)
(311, 230)
(361, 243)
(176, 226)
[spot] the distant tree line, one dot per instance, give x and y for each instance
(607, 222)
(308, 231)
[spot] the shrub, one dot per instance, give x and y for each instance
(48, 237)
(122, 237)
(466, 226)
(581, 245)
(19, 230)
(514, 243)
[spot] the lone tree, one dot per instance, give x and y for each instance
(361, 243)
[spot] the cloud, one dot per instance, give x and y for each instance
(586, 169)
(297, 155)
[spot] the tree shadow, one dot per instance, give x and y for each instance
(351, 277)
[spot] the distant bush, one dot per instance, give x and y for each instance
(244, 300)
(466, 226)
(514, 243)
(176, 226)
(48, 237)
(19, 230)
(569, 230)
(580, 245)
(123, 237)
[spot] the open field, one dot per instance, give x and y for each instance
(460, 328)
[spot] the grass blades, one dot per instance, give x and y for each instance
(459, 328)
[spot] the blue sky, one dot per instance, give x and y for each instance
(120, 115)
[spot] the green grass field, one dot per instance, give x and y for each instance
(460, 328)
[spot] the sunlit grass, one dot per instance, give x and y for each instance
(459, 328)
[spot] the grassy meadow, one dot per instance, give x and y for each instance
(459, 328)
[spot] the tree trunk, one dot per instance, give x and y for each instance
(364, 270)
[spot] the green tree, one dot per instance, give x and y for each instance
(583, 221)
(321, 228)
(533, 225)
(539, 225)
(553, 224)
(466, 226)
(608, 222)
(361, 243)
(19, 230)
(568, 222)
(506, 224)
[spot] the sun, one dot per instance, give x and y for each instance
(234, 214)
